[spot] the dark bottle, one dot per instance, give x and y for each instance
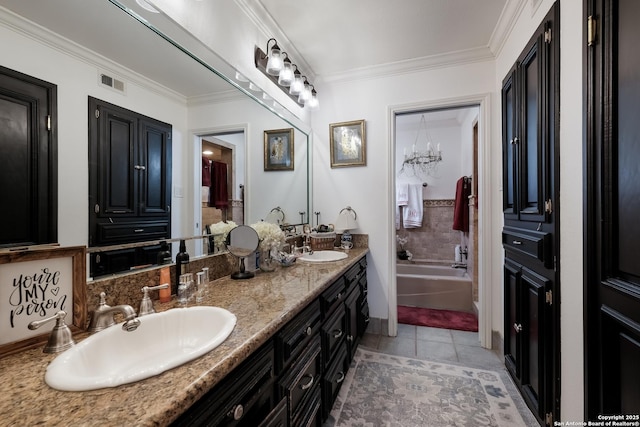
(164, 256)
(182, 263)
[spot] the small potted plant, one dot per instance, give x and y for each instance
(402, 253)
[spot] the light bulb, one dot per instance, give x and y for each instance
(274, 64)
(285, 78)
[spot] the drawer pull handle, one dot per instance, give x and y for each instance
(517, 327)
(517, 242)
(340, 377)
(138, 230)
(237, 412)
(350, 338)
(307, 385)
(339, 296)
(337, 333)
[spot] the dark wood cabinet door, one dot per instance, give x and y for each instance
(612, 201)
(129, 176)
(28, 160)
(116, 160)
(530, 101)
(154, 168)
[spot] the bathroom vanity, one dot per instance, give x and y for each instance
(297, 330)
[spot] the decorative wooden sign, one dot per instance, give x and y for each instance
(35, 284)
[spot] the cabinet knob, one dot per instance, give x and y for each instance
(237, 412)
(517, 327)
(350, 338)
(308, 331)
(339, 296)
(307, 385)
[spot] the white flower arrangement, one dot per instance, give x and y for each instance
(220, 230)
(270, 234)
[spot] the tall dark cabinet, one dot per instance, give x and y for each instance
(129, 184)
(530, 118)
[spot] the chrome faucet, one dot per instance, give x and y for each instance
(60, 338)
(102, 317)
(146, 305)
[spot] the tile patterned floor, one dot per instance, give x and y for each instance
(454, 347)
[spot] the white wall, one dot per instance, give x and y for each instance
(265, 189)
(77, 79)
(369, 189)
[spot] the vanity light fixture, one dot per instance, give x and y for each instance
(277, 65)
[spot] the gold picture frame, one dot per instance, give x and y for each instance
(348, 144)
(278, 150)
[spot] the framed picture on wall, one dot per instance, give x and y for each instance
(348, 144)
(278, 150)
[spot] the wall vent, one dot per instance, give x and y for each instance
(112, 82)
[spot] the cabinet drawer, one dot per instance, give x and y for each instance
(302, 380)
(126, 232)
(244, 398)
(533, 244)
(353, 276)
(363, 319)
(333, 333)
(295, 336)
(332, 297)
(278, 417)
(333, 378)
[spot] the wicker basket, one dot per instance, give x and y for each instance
(322, 241)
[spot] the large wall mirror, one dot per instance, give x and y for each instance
(105, 49)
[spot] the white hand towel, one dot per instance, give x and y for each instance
(413, 212)
(402, 199)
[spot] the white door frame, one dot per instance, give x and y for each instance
(485, 288)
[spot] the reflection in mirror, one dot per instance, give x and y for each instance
(242, 242)
(162, 72)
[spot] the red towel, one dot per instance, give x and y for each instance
(218, 196)
(461, 205)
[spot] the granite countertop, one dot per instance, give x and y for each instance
(262, 305)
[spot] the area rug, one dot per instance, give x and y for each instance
(386, 390)
(446, 319)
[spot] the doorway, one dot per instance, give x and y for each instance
(219, 174)
(482, 248)
(434, 218)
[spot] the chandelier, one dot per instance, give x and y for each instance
(421, 163)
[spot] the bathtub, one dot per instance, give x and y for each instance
(434, 286)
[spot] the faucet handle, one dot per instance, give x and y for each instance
(60, 338)
(146, 305)
(98, 322)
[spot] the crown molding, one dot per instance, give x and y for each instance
(414, 65)
(505, 25)
(74, 50)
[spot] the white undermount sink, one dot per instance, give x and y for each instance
(113, 357)
(323, 256)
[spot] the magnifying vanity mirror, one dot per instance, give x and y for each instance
(147, 63)
(242, 242)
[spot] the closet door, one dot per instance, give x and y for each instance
(531, 278)
(612, 200)
(28, 160)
